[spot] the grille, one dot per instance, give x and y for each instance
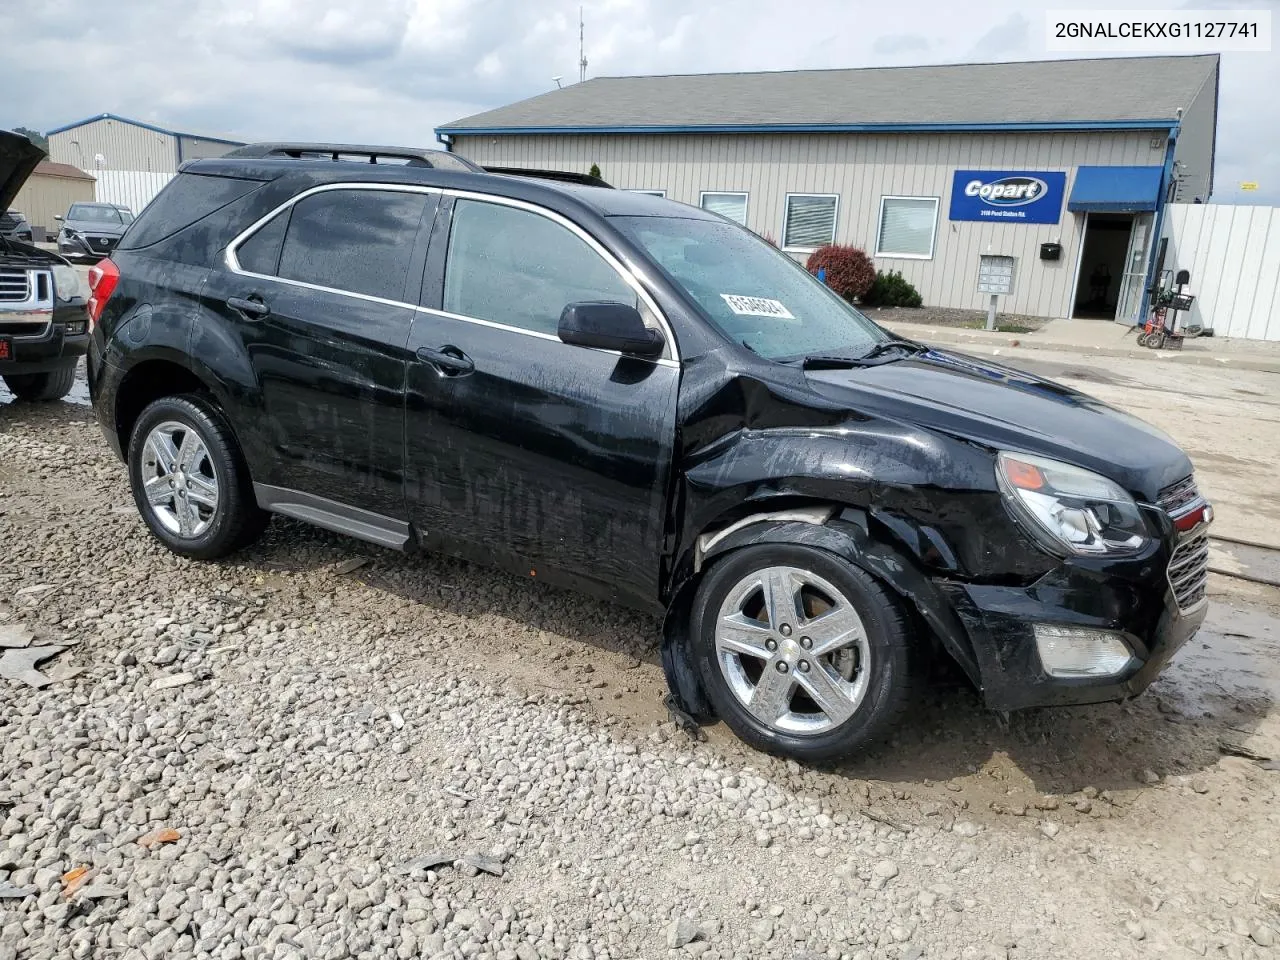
(102, 243)
(1176, 497)
(14, 286)
(1188, 570)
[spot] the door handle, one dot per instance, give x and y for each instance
(449, 361)
(251, 306)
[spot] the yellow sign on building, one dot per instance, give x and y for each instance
(1249, 185)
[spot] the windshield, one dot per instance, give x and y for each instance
(99, 214)
(755, 294)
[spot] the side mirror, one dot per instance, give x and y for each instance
(609, 326)
(58, 217)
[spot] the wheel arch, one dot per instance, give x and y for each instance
(839, 529)
(161, 373)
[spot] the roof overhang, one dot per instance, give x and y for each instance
(1036, 126)
(1116, 189)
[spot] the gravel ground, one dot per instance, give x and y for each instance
(297, 754)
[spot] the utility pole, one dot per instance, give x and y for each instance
(582, 50)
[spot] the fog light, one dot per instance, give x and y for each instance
(1080, 651)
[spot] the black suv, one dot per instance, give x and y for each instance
(644, 401)
(43, 325)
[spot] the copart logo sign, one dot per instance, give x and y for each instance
(1017, 196)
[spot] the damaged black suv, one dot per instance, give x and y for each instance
(646, 402)
(43, 324)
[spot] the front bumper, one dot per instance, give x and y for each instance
(1133, 598)
(61, 343)
(86, 245)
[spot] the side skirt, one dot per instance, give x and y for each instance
(339, 517)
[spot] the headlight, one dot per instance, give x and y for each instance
(66, 282)
(1077, 510)
(68, 233)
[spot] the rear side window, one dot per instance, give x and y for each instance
(261, 252)
(187, 198)
(522, 269)
(354, 240)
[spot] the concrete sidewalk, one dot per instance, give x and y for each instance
(1099, 337)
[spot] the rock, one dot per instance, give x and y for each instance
(13, 635)
(167, 655)
(1050, 829)
(171, 680)
(427, 861)
(1199, 785)
(885, 869)
(763, 929)
(1149, 777)
(965, 828)
(1262, 934)
(9, 891)
(1135, 930)
(1047, 803)
(763, 838)
(680, 931)
(466, 918)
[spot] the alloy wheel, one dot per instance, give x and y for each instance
(793, 650)
(179, 481)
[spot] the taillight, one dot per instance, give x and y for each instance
(103, 278)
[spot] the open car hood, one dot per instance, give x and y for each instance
(18, 157)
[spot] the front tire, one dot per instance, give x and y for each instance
(190, 481)
(802, 654)
(41, 387)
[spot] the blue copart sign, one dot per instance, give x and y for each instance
(1010, 196)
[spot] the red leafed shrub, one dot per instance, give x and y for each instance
(849, 271)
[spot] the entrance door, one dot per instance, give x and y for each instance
(1103, 260)
(1129, 304)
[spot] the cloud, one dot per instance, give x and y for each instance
(895, 43)
(1011, 37)
(393, 71)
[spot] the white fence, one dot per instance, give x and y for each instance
(1233, 253)
(133, 188)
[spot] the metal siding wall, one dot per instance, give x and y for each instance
(41, 197)
(860, 168)
(1195, 145)
(1233, 253)
(132, 188)
(124, 145)
(195, 148)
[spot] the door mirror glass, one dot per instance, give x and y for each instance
(58, 217)
(609, 325)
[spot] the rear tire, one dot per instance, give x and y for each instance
(189, 479)
(40, 387)
(786, 680)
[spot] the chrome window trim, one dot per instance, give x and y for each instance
(629, 272)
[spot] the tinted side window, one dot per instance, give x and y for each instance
(355, 240)
(261, 252)
(519, 268)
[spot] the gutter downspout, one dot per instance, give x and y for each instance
(1166, 188)
(446, 139)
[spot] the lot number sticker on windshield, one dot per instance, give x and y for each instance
(756, 307)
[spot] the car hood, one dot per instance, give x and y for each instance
(99, 228)
(1007, 409)
(18, 157)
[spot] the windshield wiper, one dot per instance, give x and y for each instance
(886, 352)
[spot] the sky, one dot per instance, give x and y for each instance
(329, 70)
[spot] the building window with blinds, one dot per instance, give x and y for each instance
(810, 221)
(731, 205)
(907, 227)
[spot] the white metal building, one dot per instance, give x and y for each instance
(1065, 166)
(131, 160)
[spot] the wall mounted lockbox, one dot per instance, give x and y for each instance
(1050, 251)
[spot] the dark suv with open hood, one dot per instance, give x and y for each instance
(644, 401)
(43, 323)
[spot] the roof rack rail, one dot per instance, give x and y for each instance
(357, 153)
(564, 176)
